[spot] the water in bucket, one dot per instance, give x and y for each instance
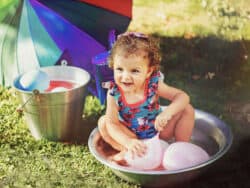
(55, 113)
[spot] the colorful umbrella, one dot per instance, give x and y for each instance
(61, 31)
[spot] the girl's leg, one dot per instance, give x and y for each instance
(169, 131)
(107, 137)
(180, 126)
(185, 125)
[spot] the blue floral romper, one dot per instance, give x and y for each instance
(140, 117)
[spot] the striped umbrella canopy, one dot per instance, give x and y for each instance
(48, 32)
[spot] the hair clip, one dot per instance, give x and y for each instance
(133, 34)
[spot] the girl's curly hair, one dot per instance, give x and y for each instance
(135, 43)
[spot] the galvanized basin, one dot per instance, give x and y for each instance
(210, 133)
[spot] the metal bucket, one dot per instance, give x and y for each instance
(55, 116)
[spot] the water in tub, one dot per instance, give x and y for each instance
(60, 85)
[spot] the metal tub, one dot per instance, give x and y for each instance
(210, 133)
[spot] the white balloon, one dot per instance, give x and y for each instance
(34, 79)
(181, 155)
(59, 89)
(153, 157)
(164, 145)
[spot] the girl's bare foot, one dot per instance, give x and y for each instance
(102, 147)
(119, 158)
(108, 152)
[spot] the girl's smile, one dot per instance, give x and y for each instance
(126, 84)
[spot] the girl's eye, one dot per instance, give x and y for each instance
(135, 71)
(119, 69)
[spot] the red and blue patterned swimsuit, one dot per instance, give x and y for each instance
(140, 117)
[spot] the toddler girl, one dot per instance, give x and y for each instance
(133, 111)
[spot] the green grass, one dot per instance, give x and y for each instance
(199, 38)
(7, 7)
(225, 19)
(25, 162)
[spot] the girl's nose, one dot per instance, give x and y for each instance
(125, 76)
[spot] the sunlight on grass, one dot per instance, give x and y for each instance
(26, 162)
(195, 17)
(171, 19)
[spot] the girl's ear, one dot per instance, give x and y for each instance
(150, 71)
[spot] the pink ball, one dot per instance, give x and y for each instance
(181, 155)
(152, 159)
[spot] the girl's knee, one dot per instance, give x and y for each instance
(101, 123)
(189, 110)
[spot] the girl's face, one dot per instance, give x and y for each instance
(131, 72)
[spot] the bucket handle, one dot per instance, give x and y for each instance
(20, 107)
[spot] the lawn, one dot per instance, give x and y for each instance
(205, 47)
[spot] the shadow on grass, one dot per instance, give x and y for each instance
(211, 70)
(215, 73)
(230, 171)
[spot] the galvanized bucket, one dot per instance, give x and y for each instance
(55, 116)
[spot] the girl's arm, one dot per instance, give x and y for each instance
(111, 109)
(113, 124)
(179, 99)
(119, 132)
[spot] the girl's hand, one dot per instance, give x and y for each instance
(162, 120)
(136, 147)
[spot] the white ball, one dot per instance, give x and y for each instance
(59, 89)
(34, 79)
(164, 145)
(181, 155)
(152, 159)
